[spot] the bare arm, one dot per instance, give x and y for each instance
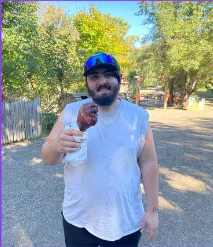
(150, 176)
(59, 142)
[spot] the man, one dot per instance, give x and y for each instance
(103, 200)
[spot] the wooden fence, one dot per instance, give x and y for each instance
(21, 120)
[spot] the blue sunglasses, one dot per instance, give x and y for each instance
(100, 60)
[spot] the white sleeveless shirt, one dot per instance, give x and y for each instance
(103, 194)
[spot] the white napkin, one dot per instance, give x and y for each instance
(77, 158)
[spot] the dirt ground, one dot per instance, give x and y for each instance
(33, 192)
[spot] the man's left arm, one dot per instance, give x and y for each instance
(150, 177)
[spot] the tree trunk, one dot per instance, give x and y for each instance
(187, 86)
(61, 87)
(185, 102)
(60, 78)
(171, 91)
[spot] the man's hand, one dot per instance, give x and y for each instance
(66, 142)
(59, 142)
(150, 224)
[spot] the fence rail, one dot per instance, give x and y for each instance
(21, 120)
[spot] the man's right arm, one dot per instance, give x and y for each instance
(59, 142)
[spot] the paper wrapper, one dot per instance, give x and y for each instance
(77, 158)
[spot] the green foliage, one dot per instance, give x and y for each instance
(204, 93)
(48, 121)
(104, 33)
(147, 66)
(209, 85)
(78, 87)
(182, 46)
(60, 63)
(44, 49)
(132, 83)
(19, 48)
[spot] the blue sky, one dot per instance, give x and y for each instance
(122, 9)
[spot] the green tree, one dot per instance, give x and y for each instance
(104, 33)
(60, 63)
(19, 48)
(146, 65)
(182, 40)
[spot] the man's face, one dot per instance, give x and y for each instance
(102, 86)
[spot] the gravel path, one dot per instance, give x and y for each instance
(33, 192)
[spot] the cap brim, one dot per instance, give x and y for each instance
(97, 66)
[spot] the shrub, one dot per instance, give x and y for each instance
(48, 121)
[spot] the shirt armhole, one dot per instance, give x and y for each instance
(68, 114)
(143, 131)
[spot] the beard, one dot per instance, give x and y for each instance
(104, 99)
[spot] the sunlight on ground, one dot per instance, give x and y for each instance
(168, 205)
(36, 161)
(183, 182)
(175, 143)
(209, 145)
(59, 175)
(207, 150)
(19, 232)
(196, 157)
(164, 204)
(24, 239)
(20, 144)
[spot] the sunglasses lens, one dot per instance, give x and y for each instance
(100, 58)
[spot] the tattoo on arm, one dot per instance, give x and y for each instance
(155, 209)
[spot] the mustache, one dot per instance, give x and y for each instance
(103, 87)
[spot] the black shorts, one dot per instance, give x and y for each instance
(75, 236)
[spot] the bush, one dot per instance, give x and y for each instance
(48, 121)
